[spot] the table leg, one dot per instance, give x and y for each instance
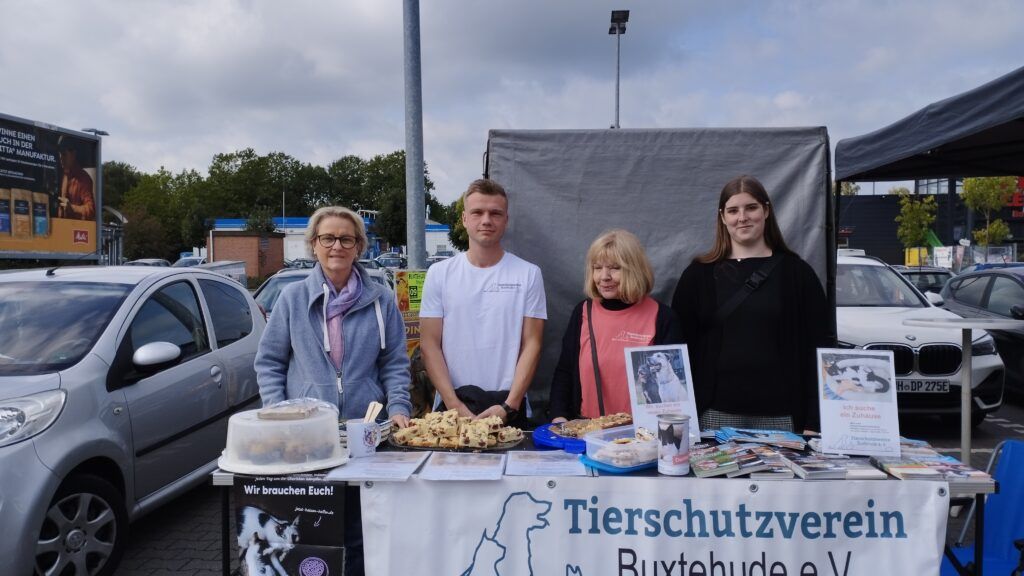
(965, 398)
(225, 529)
(979, 532)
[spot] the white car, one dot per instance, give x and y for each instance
(873, 300)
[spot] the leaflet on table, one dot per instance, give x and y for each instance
(546, 463)
(380, 466)
(463, 466)
(857, 395)
(660, 382)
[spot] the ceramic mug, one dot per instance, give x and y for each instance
(362, 437)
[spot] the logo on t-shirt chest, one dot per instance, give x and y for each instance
(503, 287)
(632, 337)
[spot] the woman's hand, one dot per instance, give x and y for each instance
(559, 420)
(400, 420)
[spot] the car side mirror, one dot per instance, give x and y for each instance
(934, 298)
(1017, 312)
(155, 355)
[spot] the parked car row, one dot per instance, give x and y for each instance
(116, 384)
(873, 300)
(268, 292)
(994, 293)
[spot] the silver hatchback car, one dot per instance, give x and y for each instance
(116, 384)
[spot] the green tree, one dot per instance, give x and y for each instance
(847, 188)
(346, 184)
(457, 232)
(118, 179)
(899, 191)
(917, 213)
(260, 219)
(384, 190)
(988, 195)
(144, 235)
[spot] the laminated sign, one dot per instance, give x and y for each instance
(289, 525)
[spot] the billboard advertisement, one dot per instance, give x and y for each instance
(49, 190)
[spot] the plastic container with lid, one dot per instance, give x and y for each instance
(286, 438)
(620, 447)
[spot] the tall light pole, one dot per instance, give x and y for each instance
(415, 191)
(618, 28)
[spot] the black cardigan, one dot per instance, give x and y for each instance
(803, 328)
(566, 392)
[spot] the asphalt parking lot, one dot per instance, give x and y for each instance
(180, 539)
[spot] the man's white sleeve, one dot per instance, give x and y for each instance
(432, 302)
(536, 301)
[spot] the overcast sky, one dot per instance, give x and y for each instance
(175, 82)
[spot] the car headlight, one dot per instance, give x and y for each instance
(24, 417)
(983, 346)
(841, 344)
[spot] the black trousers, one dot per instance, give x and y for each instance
(353, 533)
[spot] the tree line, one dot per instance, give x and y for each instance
(169, 213)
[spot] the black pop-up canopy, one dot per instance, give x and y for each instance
(977, 133)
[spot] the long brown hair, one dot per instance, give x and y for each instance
(723, 244)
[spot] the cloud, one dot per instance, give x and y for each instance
(175, 82)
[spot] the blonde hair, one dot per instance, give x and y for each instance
(337, 212)
(620, 247)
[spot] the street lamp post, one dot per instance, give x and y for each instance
(618, 28)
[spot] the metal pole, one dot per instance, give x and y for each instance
(965, 397)
(617, 45)
(415, 196)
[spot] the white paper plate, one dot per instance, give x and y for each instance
(282, 468)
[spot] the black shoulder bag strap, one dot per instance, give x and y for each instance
(593, 355)
(752, 283)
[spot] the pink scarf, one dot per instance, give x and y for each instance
(337, 306)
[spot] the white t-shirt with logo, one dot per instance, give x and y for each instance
(483, 311)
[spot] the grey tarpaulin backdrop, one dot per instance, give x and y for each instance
(567, 186)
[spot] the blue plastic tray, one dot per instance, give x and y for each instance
(543, 437)
(615, 469)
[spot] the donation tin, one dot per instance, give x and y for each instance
(673, 444)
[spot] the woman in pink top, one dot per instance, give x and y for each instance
(618, 281)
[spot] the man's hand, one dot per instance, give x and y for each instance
(400, 420)
(559, 420)
(462, 409)
(495, 410)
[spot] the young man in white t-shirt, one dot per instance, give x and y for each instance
(482, 312)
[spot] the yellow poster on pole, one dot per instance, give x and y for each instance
(409, 293)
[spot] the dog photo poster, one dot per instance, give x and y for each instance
(857, 395)
(660, 383)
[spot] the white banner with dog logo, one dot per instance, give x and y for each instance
(647, 526)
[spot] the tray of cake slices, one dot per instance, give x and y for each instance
(449, 431)
(569, 435)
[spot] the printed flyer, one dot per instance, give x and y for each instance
(660, 383)
(857, 395)
(289, 525)
(409, 293)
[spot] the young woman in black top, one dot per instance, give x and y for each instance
(756, 366)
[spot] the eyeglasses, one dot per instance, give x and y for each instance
(328, 240)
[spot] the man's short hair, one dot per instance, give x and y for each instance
(486, 187)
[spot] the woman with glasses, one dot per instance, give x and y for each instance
(339, 337)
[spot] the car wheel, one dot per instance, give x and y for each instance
(84, 530)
